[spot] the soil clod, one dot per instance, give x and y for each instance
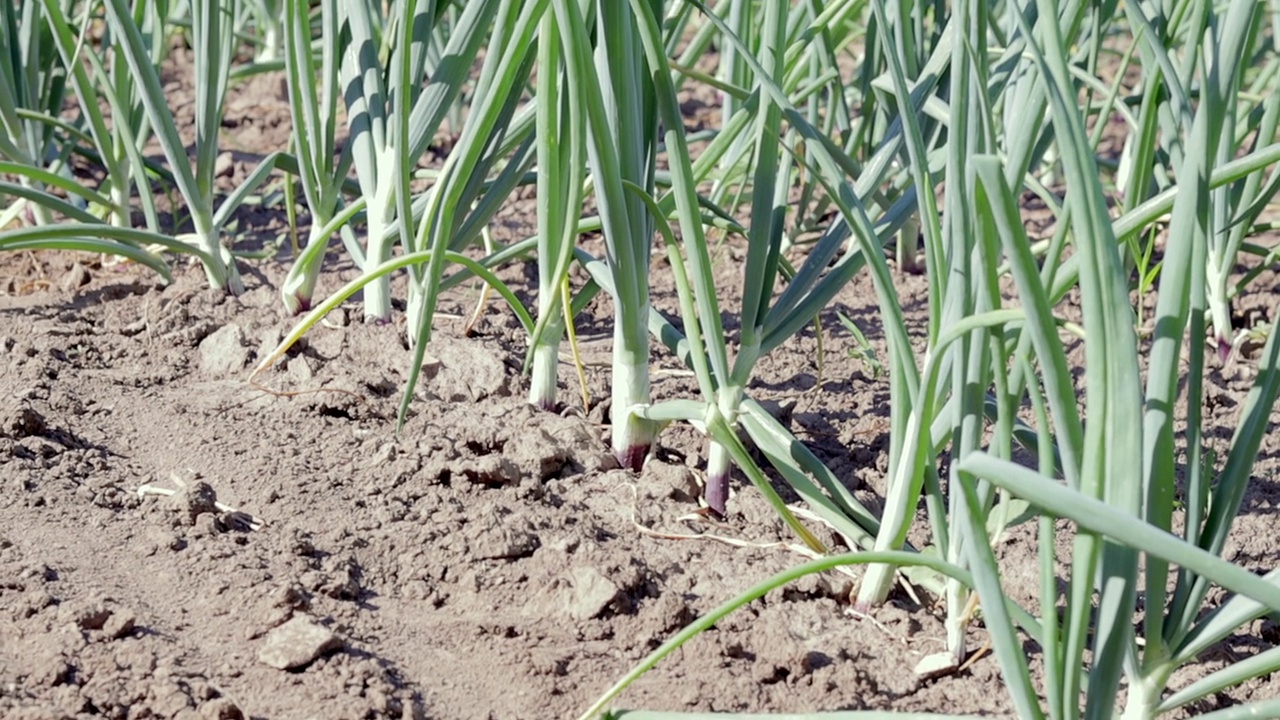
(221, 709)
(192, 501)
(21, 420)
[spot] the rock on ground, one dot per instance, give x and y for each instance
(297, 643)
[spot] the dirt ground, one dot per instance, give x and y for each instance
(487, 562)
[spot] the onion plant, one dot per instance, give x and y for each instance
(313, 105)
(992, 104)
(561, 155)
(768, 321)
(490, 159)
(33, 86)
(389, 131)
(115, 72)
(381, 70)
(392, 116)
(703, 345)
(212, 26)
(623, 123)
(1085, 454)
(947, 404)
(1171, 46)
(755, 133)
(268, 21)
(1126, 422)
(119, 142)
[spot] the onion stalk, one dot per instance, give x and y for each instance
(561, 151)
(622, 124)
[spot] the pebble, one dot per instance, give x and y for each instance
(297, 643)
(75, 278)
(680, 482)
(224, 165)
(223, 352)
(592, 593)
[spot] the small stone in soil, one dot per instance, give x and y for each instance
(75, 278)
(679, 479)
(297, 643)
(592, 593)
(102, 621)
(157, 539)
(223, 352)
(223, 165)
(299, 369)
(936, 665)
(33, 602)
